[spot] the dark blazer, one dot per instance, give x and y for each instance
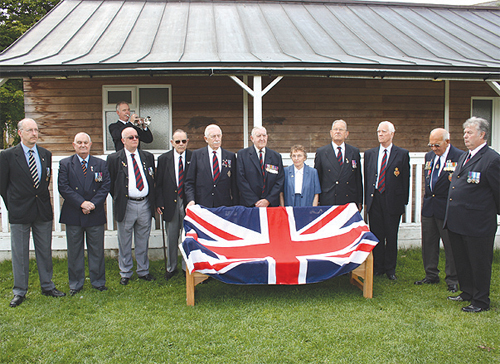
(435, 201)
(118, 173)
(473, 207)
(76, 188)
(116, 129)
(339, 185)
(397, 178)
(200, 186)
(25, 202)
(250, 180)
(166, 184)
(310, 186)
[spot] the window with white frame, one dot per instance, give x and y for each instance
(489, 108)
(144, 100)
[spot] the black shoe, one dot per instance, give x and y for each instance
(392, 277)
(427, 281)
(148, 277)
(453, 288)
(54, 293)
(101, 288)
(72, 292)
(472, 308)
(169, 275)
(458, 298)
(124, 281)
(16, 301)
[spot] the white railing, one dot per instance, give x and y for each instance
(412, 214)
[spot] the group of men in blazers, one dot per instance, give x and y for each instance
(462, 199)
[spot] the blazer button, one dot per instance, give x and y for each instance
(347, 183)
(175, 201)
(451, 199)
(371, 195)
(76, 188)
(433, 195)
(336, 182)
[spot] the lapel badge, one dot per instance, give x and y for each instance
(48, 174)
(354, 164)
(150, 171)
(124, 164)
(229, 174)
(396, 171)
(92, 168)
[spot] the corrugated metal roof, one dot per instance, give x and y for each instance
(337, 37)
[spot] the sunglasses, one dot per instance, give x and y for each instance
(133, 137)
(433, 145)
(183, 141)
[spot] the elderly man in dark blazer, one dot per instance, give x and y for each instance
(170, 193)
(339, 169)
(84, 184)
(387, 181)
(260, 175)
(24, 185)
(211, 179)
(125, 120)
(471, 215)
(440, 164)
(132, 173)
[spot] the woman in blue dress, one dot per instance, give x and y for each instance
(301, 181)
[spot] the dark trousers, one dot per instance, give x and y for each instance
(385, 226)
(473, 259)
(432, 233)
(75, 236)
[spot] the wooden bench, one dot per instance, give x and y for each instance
(361, 277)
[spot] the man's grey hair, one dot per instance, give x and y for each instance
(392, 129)
(179, 131)
(84, 133)
(445, 133)
(21, 122)
(480, 124)
(340, 121)
(119, 103)
(257, 128)
(210, 127)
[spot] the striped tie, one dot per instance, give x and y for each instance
(468, 158)
(33, 170)
(180, 187)
(261, 160)
(215, 167)
(84, 167)
(339, 156)
(381, 180)
(138, 178)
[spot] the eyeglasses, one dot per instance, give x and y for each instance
(433, 145)
(133, 137)
(183, 141)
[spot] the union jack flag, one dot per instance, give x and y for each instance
(275, 245)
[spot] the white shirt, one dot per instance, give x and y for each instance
(380, 156)
(441, 160)
(299, 179)
(132, 185)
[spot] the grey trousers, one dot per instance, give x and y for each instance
(432, 232)
(174, 228)
(137, 222)
(42, 240)
(94, 236)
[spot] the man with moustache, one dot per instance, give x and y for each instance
(24, 186)
(84, 184)
(339, 169)
(125, 120)
(132, 173)
(471, 215)
(387, 181)
(260, 175)
(211, 179)
(440, 163)
(170, 195)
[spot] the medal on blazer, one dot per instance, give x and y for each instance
(98, 177)
(428, 165)
(450, 166)
(272, 169)
(474, 177)
(229, 173)
(354, 164)
(150, 171)
(48, 174)
(396, 171)
(124, 164)
(92, 168)
(226, 163)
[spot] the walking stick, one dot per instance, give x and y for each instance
(164, 247)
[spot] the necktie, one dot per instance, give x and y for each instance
(33, 170)
(435, 175)
(339, 156)
(468, 157)
(215, 167)
(84, 167)
(180, 187)
(138, 178)
(261, 160)
(381, 180)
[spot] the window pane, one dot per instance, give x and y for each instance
(116, 96)
(153, 102)
(483, 109)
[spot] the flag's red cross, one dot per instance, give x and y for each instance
(281, 247)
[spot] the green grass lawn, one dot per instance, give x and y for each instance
(328, 322)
